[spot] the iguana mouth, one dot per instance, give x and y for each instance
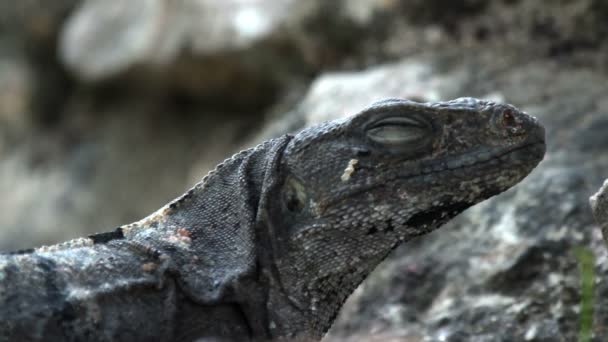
(531, 151)
(488, 157)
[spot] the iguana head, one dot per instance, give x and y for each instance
(352, 189)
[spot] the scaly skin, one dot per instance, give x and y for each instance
(270, 244)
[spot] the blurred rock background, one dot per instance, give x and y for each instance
(110, 108)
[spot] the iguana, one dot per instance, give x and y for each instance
(269, 245)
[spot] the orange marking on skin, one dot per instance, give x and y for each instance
(183, 232)
(149, 267)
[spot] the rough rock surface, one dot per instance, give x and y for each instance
(96, 131)
(599, 205)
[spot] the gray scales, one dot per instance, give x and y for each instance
(272, 242)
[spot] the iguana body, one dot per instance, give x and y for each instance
(271, 243)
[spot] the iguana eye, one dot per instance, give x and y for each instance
(396, 131)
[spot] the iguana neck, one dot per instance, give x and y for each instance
(210, 234)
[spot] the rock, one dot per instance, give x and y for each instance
(599, 205)
(105, 38)
(15, 95)
(410, 79)
(33, 21)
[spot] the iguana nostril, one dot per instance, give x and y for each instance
(508, 119)
(511, 122)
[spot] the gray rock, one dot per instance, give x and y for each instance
(599, 205)
(104, 38)
(16, 90)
